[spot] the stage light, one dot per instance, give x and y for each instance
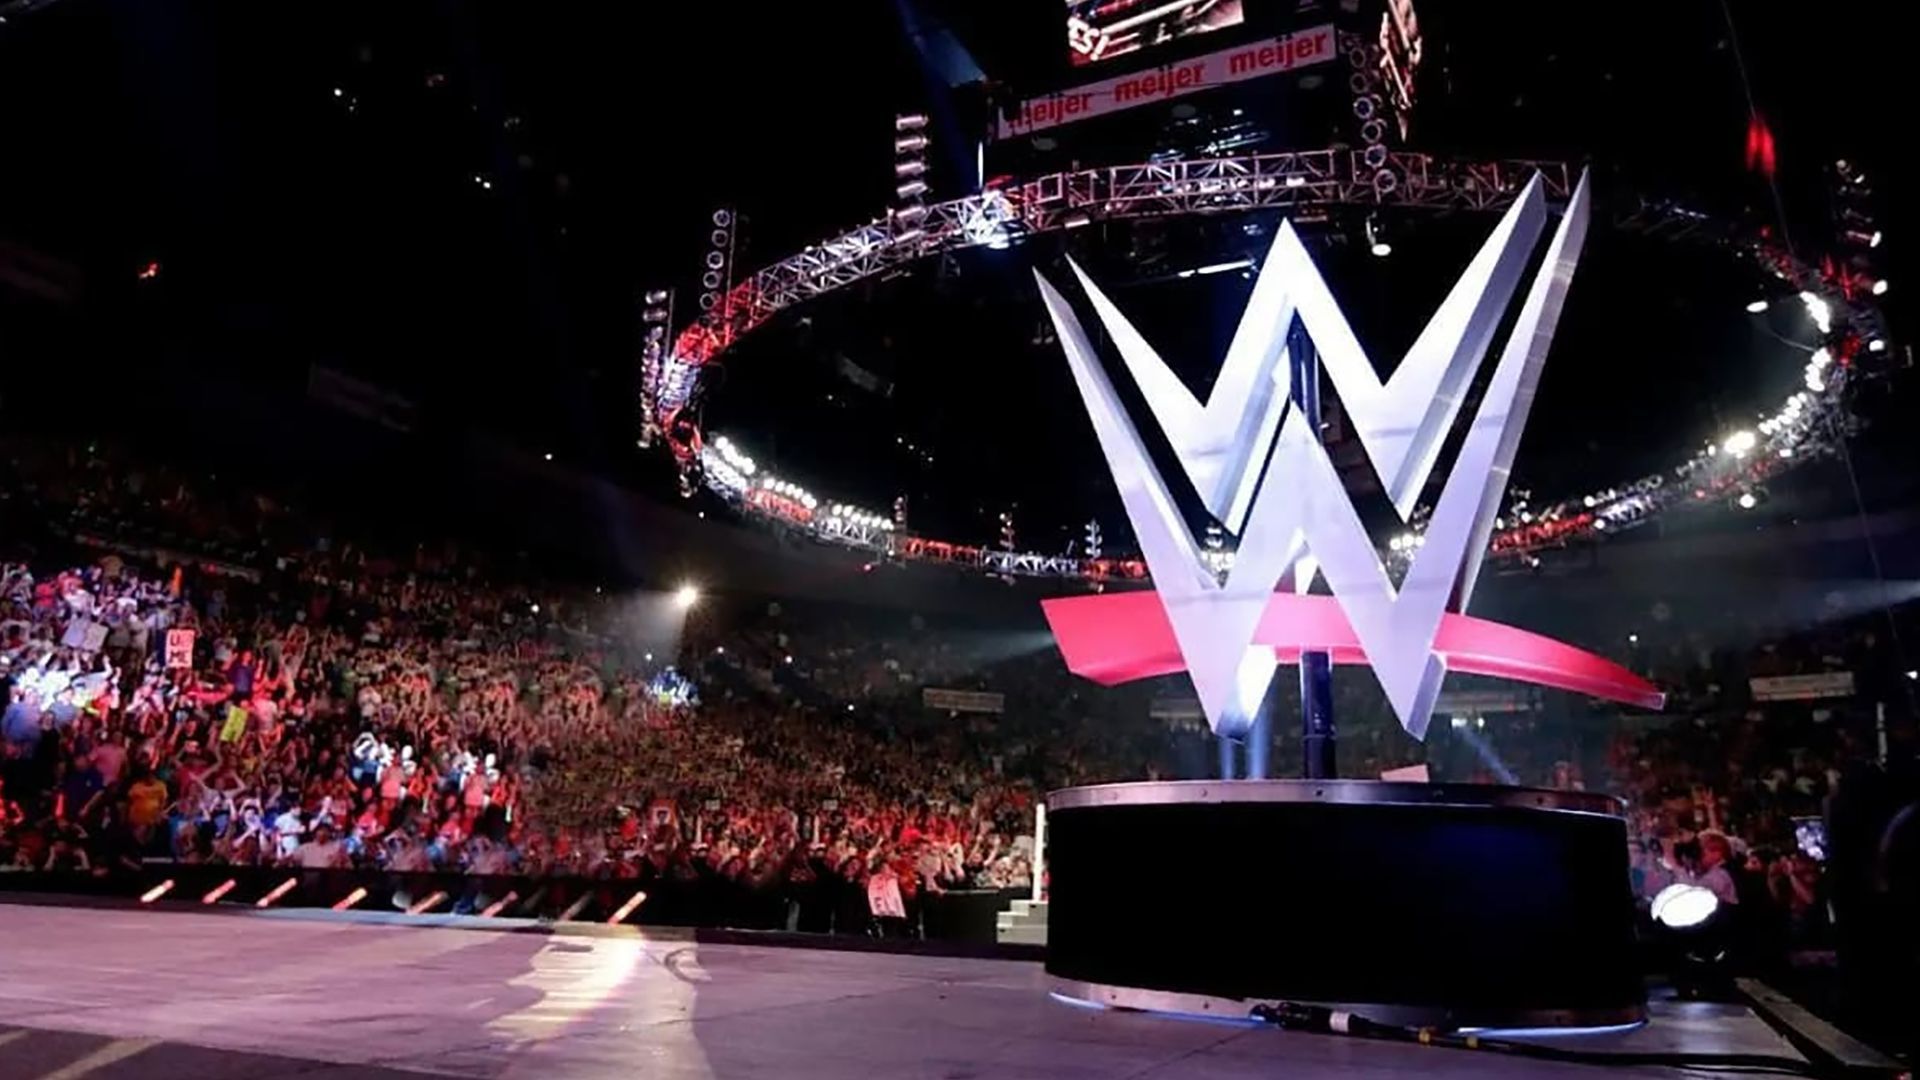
(1633, 639)
(214, 894)
(626, 909)
(156, 892)
(909, 122)
(910, 144)
(1377, 238)
(912, 189)
(1296, 181)
(1911, 675)
(1740, 443)
(337, 92)
(1876, 345)
(1757, 306)
(358, 894)
(1221, 268)
(1874, 240)
(1880, 287)
(1681, 906)
(1748, 500)
(684, 598)
(1819, 311)
(908, 169)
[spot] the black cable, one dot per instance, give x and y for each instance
(1291, 1016)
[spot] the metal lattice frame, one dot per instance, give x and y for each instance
(1072, 199)
(1306, 179)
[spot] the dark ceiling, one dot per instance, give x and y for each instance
(460, 201)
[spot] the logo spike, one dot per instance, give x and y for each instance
(1401, 422)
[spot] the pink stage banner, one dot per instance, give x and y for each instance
(1120, 637)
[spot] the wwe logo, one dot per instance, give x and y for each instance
(1261, 470)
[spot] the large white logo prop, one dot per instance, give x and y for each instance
(1260, 469)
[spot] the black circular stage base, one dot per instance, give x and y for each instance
(1457, 906)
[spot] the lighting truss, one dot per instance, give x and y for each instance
(1063, 200)
(1296, 180)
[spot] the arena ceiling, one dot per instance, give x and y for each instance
(461, 204)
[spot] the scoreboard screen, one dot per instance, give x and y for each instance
(1100, 30)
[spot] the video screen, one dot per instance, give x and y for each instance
(1100, 30)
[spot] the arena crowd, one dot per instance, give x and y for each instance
(192, 675)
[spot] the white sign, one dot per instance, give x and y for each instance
(1175, 708)
(179, 648)
(1827, 684)
(1254, 60)
(976, 701)
(883, 897)
(1483, 702)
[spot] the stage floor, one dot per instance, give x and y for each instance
(101, 994)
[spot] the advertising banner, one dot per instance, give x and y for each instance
(1827, 684)
(974, 701)
(1253, 60)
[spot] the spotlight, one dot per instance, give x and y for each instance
(1377, 238)
(1757, 306)
(686, 596)
(1880, 287)
(1680, 907)
(1876, 345)
(1740, 443)
(1874, 240)
(1748, 500)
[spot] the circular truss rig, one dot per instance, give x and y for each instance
(1837, 301)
